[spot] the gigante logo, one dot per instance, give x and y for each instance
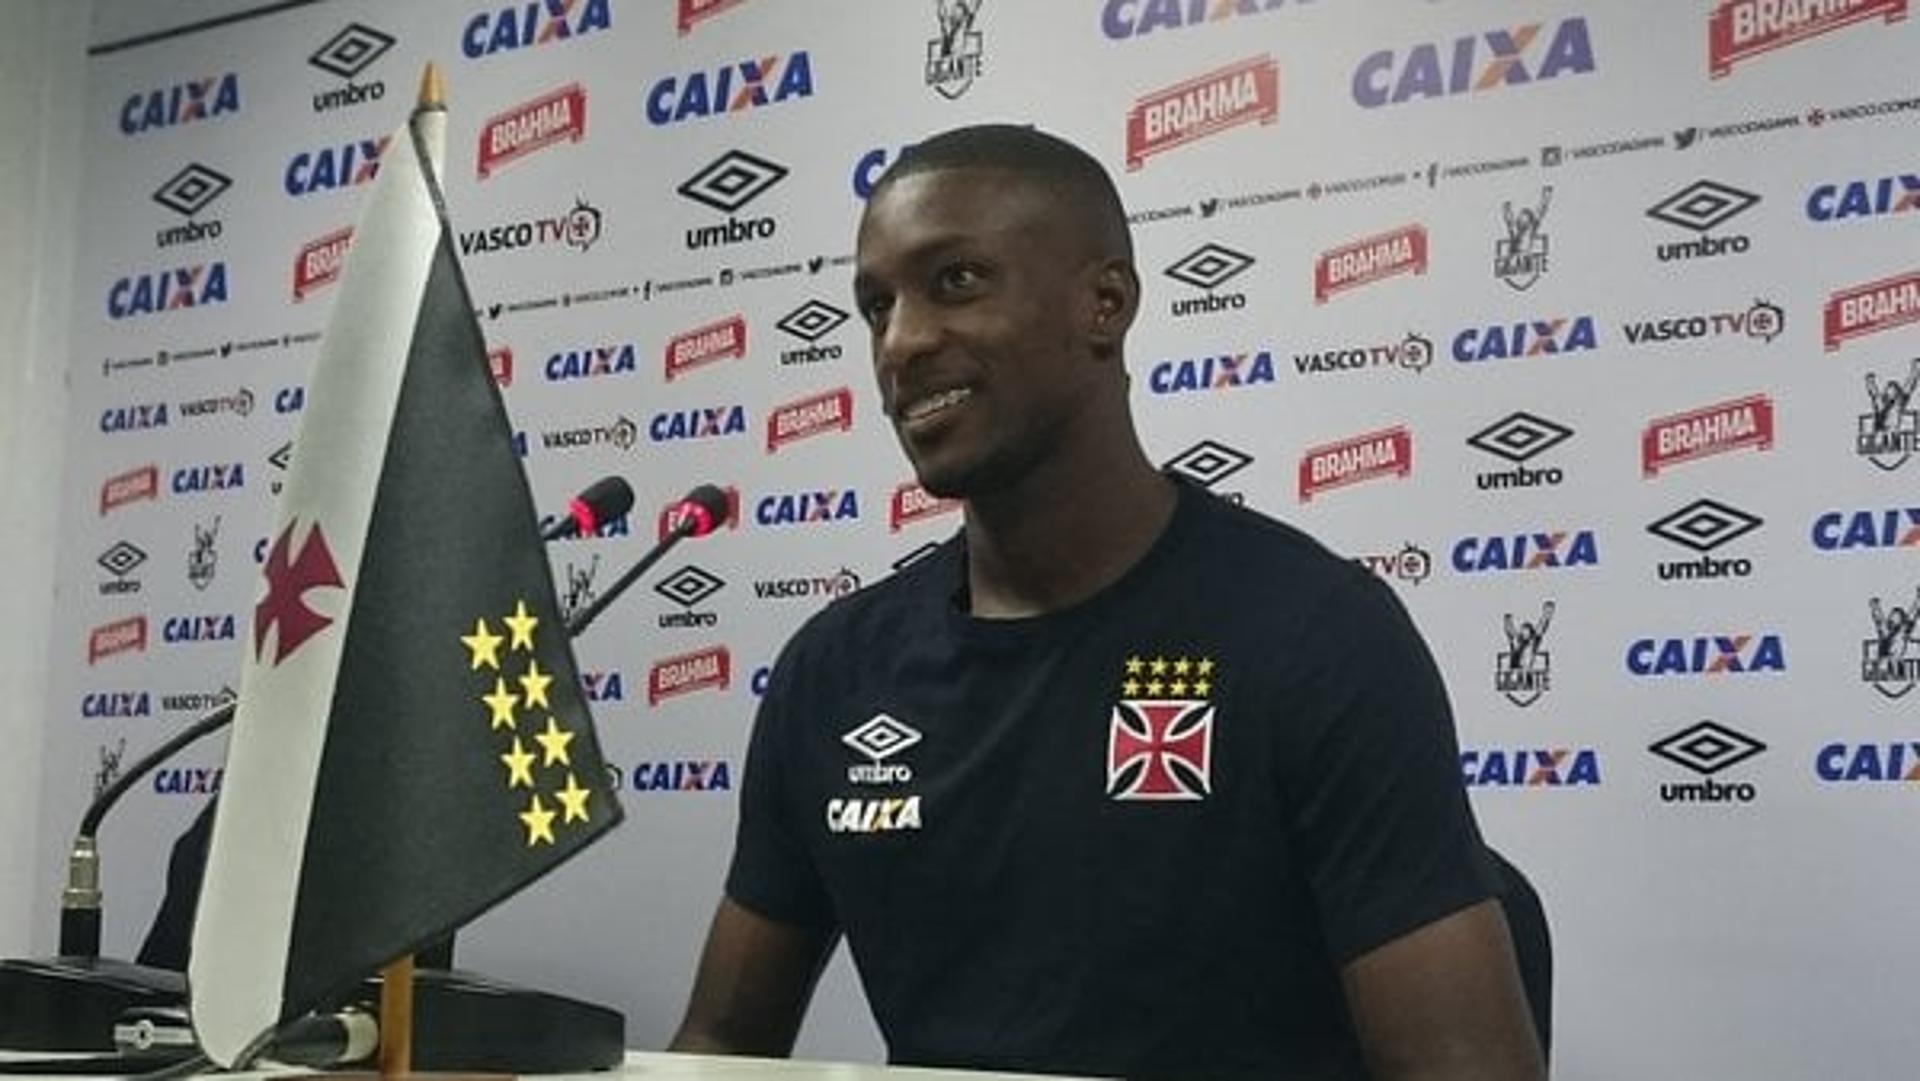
(182, 103)
(749, 84)
(1519, 438)
(1701, 207)
(1535, 338)
(347, 54)
(1123, 19)
(187, 193)
(1704, 525)
(541, 23)
(1707, 655)
(1865, 198)
(1489, 61)
(1888, 662)
(332, 167)
(1207, 268)
(169, 290)
(1707, 748)
(1211, 373)
(1889, 431)
(1529, 767)
(1526, 551)
(730, 182)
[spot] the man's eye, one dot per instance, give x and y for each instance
(874, 309)
(960, 276)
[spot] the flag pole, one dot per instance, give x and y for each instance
(396, 983)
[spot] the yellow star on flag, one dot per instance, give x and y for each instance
(501, 702)
(534, 686)
(519, 765)
(484, 645)
(554, 741)
(521, 624)
(573, 800)
(538, 820)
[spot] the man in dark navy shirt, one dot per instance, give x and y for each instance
(1122, 780)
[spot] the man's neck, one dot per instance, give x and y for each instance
(1062, 536)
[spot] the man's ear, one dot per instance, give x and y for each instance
(1116, 300)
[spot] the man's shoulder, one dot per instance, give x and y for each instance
(908, 595)
(1249, 549)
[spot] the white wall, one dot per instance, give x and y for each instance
(42, 96)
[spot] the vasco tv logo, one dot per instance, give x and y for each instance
(182, 103)
(1702, 207)
(1889, 431)
(1123, 19)
(1523, 671)
(811, 322)
(1704, 525)
(1707, 748)
(1211, 373)
(520, 26)
(1494, 60)
(174, 289)
(1207, 268)
(1519, 437)
(347, 54)
(187, 193)
(1412, 353)
(577, 228)
(332, 167)
(749, 84)
(728, 183)
(1762, 322)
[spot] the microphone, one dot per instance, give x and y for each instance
(602, 501)
(704, 510)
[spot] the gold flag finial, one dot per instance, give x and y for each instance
(433, 88)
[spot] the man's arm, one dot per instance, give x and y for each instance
(1445, 1002)
(755, 979)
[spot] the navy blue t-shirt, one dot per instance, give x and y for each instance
(1139, 836)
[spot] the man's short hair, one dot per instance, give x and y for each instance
(1048, 161)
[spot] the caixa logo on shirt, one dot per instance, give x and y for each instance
(1529, 767)
(168, 290)
(207, 98)
(768, 79)
(1494, 60)
(518, 26)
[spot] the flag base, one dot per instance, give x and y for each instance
(71, 1003)
(466, 1024)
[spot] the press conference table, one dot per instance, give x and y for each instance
(660, 1066)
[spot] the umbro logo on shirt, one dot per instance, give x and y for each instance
(877, 739)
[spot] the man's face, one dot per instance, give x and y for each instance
(976, 290)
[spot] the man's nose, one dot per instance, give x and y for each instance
(911, 332)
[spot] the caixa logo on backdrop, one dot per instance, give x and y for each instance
(507, 27)
(347, 54)
(1540, 550)
(1121, 20)
(1529, 767)
(115, 705)
(1211, 373)
(816, 506)
(700, 422)
(1493, 60)
(167, 290)
(135, 417)
(769, 79)
(329, 168)
(1857, 763)
(1553, 336)
(1898, 194)
(1735, 653)
(593, 362)
(198, 629)
(207, 98)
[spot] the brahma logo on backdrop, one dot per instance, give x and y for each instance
(198, 702)
(1889, 431)
(1207, 268)
(1707, 655)
(1246, 92)
(810, 322)
(1552, 336)
(1540, 550)
(520, 26)
(1858, 763)
(691, 13)
(1763, 322)
(1706, 748)
(1889, 663)
(206, 98)
(1703, 206)
(1492, 60)
(809, 507)
(830, 411)
(688, 587)
(1739, 30)
(724, 339)
(1519, 437)
(612, 527)
(333, 167)
(703, 669)
(127, 635)
(593, 362)
(700, 422)
(346, 54)
(137, 417)
(771, 79)
(318, 262)
(187, 193)
(1355, 460)
(167, 290)
(133, 486)
(1121, 20)
(558, 116)
(1211, 373)
(1721, 428)
(1869, 308)
(1705, 526)
(728, 183)
(577, 228)
(911, 504)
(116, 705)
(1529, 767)
(1369, 260)
(1897, 194)
(1412, 353)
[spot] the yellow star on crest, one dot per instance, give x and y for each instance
(501, 702)
(539, 822)
(534, 686)
(1178, 688)
(521, 624)
(1154, 688)
(554, 741)
(1134, 665)
(1205, 667)
(1182, 666)
(484, 645)
(1130, 688)
(519, 765)
(573, 800)
(1159, 666)
(1201, 688)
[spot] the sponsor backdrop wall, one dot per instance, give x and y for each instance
(1589, 326)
